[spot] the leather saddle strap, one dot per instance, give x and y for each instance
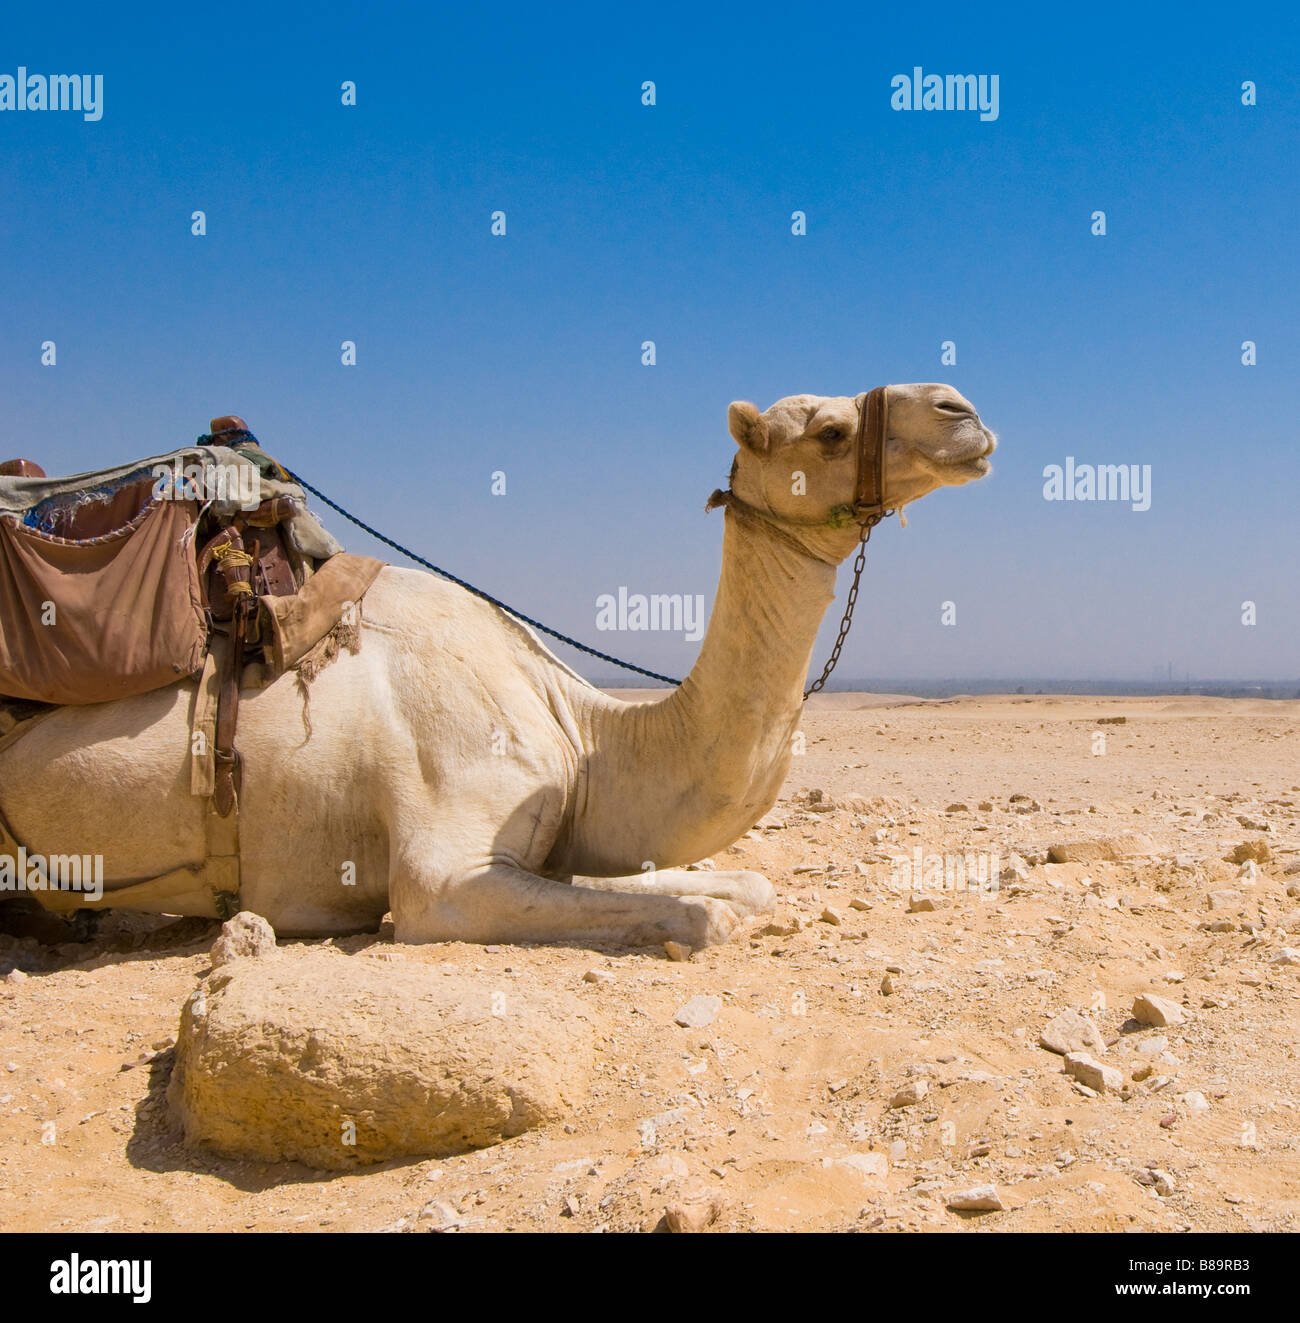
(873, 423)
(235, 565)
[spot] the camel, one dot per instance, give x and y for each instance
(459, 775)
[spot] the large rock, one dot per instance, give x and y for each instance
(340, 1061)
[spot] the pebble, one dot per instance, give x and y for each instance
(1157, 1011)
(921, 904)
(831, 916)
(857, 903)
(598, 976)
(1288, 955)
(1224, 900)
(15, 976)
(1091, 1072)
(698, 1012)
(1071, 1032)
(677, 951)
(910, 1094)
(978, 1199)
(887, 985)
(1195, 1102)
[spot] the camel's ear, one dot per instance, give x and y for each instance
(748, 427)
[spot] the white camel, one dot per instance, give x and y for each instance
(461, 776)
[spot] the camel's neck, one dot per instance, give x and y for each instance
(674, 780)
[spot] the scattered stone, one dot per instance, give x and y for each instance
(1142, 1072)
(678, 951)
(1259, 851)
(986, 806)
(598, 976)
(887, 985)
(1088, 1070)
(857, 903)
(1099, 849)
(831, 916)
(1159, 1012)
(15, 976)
(247, 936)
(921, 904)
(698, 1012)
(1224, 900)
(1071, 1032)
(1195, 1102)
(785, 928)
(910, 1094)
(1288, 955)
(978, 1199)
(957, 808)
(1112, 721)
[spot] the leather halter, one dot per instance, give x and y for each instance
(868, 507)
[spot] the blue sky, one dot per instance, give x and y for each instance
(671, 223)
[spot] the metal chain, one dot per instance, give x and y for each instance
(859, 564)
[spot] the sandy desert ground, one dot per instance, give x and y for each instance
(848, 999)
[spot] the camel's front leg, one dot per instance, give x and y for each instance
(500, 902)
(746, 892)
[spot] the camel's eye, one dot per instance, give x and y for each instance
(949, 407)
(831, 434)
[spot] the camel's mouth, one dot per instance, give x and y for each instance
(973, 464)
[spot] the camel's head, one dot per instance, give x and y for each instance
(798, 460)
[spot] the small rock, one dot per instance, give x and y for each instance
(695, 1212)
(786, 928)
(857, 903)
(698, 1012)
(986, 806)
(598, 976)
(1071, 1032)
(1288, 955)
(247, 936)
(831, 916)
(978, 1199)
(1099, 849)
(910, 1094)
(1259, 851)
(677, 951)
(957, 808)
(887, 985)
(1195, 1102)
(1224, 900)
(1157, 1011)
(1088, 1070)
(15, 976)
(920, 904)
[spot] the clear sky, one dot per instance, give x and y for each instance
(672, 223)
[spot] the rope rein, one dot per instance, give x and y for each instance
(836, 520)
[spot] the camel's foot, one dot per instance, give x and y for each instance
(502, 903)
(747, 893)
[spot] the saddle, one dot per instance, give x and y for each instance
(201, 564)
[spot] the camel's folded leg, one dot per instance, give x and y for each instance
(746, 892)
(503, 903)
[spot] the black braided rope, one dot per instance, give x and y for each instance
(469, 587)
